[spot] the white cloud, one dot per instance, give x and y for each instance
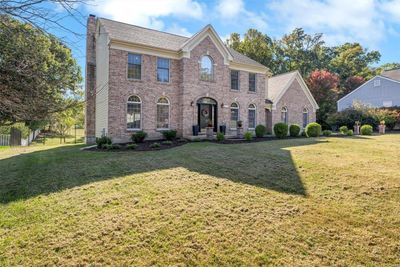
(176, 29)
(340, 20)
(392, 8)
(229, 8)
(147, 13)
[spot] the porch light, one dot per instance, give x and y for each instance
(191, 104)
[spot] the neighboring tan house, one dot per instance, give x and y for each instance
(381, 91)
(143, 79)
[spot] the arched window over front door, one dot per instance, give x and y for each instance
(206, 68)
(305, 117)
(252, 116)
(234, 115)
(163, 113)
(284, 115)
(134, 111)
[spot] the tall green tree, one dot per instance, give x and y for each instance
(37, 73)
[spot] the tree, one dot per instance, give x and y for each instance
(37, 74)
(388, 66)
(63, 121)
(350, 84)
(323, 86)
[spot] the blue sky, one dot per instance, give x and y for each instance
(373, 23)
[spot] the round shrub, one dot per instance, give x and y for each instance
(260, 130)
(220, 136)
(349, 133)
(139, 136)
(366, 129)
(327, 132)
(131, 146)
(313, 129)
(343, 129)
(294, 130)
(104, 140)
(281, 130)
(248, 136)
(169, 135)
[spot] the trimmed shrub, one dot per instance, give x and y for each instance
(169, 135)
(327, 132)
(281, 130)
(132, 146)
(155, 145)
(220, 137)
(248, 136)
(139, 136)
(294, 130)
(366, 129)
(260, 130)
(343, 129)
(349, 133)
(115, 146)
(167, 143)
(106, 146)
(104, 140)
(313, 129)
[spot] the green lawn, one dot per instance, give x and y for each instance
(298, 202)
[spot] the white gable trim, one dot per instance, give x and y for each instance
(361, 86)
(207, 31)
(303, 86)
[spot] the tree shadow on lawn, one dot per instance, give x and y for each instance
(265, 164)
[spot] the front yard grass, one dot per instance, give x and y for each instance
(297, 202)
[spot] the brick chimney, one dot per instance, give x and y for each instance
(90, 87)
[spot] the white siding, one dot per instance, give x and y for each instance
(102, 72)
(375, 96)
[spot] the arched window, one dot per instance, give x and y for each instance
(305, 117)
(162, 113)
(284, 115)
(234, 115)
(252, 116)
(134, 111)
(206, 68)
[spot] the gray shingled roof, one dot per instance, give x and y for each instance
(139, 35)
(392, 74)
(277, 84)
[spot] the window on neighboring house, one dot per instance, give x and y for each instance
(234, 79)
(134, 111)
(206, 69)
(134, 66)
(252, 116)
(377, 82)
(234, 115)
(252, 82)
(163, 113)
(284, 115)
(163, 70)
(305, 117)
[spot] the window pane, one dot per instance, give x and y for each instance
(252, 118)
(134, 66)
(163, 75)
(163, 63)
(252, 82)
(134, 59)
(234, 79)
(234, 118)
(206, 69)
(305, 119)
(133, 116)
(284, 117)
(162, 116)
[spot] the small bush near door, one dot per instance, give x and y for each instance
(248, 136)
(294, 130)
(104, 140)
(281, 130)
(139, 136)
(260, 130)
(366, 129)
(220, 137)
(169, 135)
(313, 129)
(343, 130)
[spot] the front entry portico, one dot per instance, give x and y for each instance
(207, 113)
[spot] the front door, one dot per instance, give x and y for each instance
(207, 113)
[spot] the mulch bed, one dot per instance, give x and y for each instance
(145, 146)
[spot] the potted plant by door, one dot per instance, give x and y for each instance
(210, 130)
(222, 128)
(382, 127)
(239, 129)
(357, 128)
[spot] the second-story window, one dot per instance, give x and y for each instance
(163, 70)
(252, 82)
(134, 66)
(234, 79)
(206, 69)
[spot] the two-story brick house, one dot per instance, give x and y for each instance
(143, 79)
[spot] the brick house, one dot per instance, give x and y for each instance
(143, 79)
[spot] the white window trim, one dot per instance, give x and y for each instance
(169, 70)
(141, 67)
(238, 109)
(169, 114)
(255, 82)
(255, 115)
(212, 68)
(141, 111)
(230, 80)
(286, 116)
(306, 111)
(377, 82)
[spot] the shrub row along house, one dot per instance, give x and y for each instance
(143, 79)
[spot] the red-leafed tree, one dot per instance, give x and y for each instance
(350, 84)
(323, 86)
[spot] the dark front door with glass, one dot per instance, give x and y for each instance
(207, 113)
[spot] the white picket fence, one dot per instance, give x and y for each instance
(5, 139)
